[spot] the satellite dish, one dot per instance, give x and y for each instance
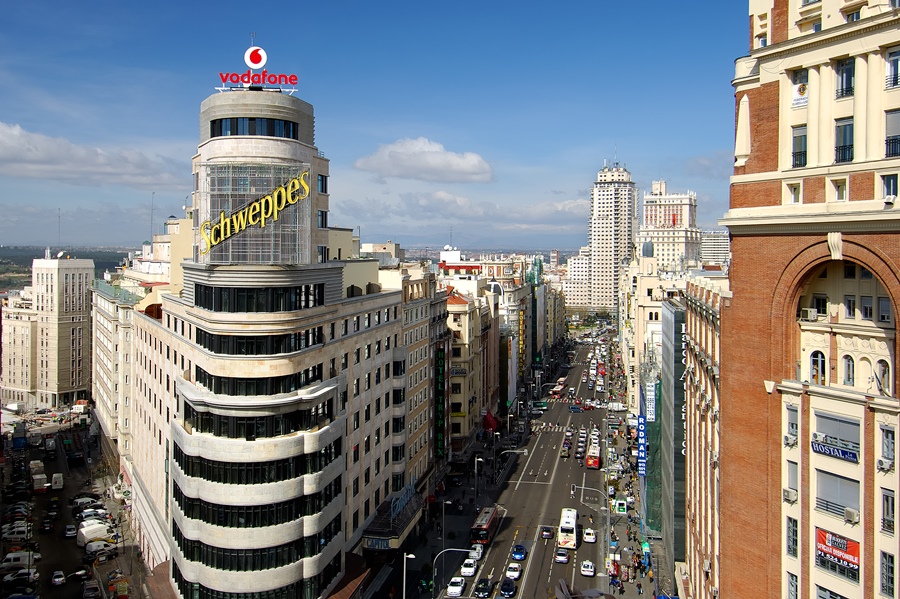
(59, 255)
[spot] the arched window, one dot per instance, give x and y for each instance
(817, 368)
(849, 371)
(883, 377)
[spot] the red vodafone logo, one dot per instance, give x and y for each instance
(255, 57)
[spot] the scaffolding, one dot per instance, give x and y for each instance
(227, 187)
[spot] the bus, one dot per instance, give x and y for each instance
(485, 526)
(561, 382)
(568, 529)
(557, 391)
(592, 459)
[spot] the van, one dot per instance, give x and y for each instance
(83, 501)
(94, 546)
(89, 533)
(57, 482)
(19, 559)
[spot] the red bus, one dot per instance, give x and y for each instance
(485, 526)
(557, 391)
(592, 459)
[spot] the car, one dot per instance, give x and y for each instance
(469, 567)
(104, 555)
(16, 536)
(79, 495)
(589, 535)
(519, 553)
(587, 568)
(70, 531)
(476, 551)
(561, 556)
(577, 401)
(483, 588)
(26, 574)
(57, 578)
(579, 454)
(455, 587)
(514, 571)
(569, 432)
(508, 588)
(546, 532)
(575, 409)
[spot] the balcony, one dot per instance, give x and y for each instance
(829, 506)
(798, 159)
(892, 146)
(843, 92)
(843, 154)
(892, 81)
(887, 525)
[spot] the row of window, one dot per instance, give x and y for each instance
(308, 588)
(259, 299)
(259, 345)
(881, 377)
(255, 516)
(257, 427)
(254, 126)
(271, 385)
(256, 473)
(250, 560)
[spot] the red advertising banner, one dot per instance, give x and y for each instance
(837, 549)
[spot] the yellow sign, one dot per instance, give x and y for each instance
(255, 213)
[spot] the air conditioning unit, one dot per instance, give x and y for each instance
(714, 591)
(789, 495)
(706, 565)
(818, 437)
(790, 440)
(715, 413)
(714, 459)
(809, 315)
(885, 464)
(851, 516)
(890, 199)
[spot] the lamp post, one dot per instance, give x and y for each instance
(496, 441)
(476, 475)
(434, 567)
(406, 556)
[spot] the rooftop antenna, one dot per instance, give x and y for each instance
(451, 234)
(152, 197)
(252, 38)
(59, 227)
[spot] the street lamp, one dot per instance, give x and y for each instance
(406, 556)
(476, 475)
(496, 441)
(434, 567)
(444, 505)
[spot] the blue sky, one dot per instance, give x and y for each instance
(486, 121)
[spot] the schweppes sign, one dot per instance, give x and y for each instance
(258, 213)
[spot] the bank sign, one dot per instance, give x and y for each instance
(255, 214)
(255, 58)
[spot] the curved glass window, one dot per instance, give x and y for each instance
(259, 345)
(817, 368)
(272, 385)
(308, 588)
(256, 473)
(259, 299)
(248, 560)
(849, 371)
(257, 427)
(254, 126)
(255, 516)
(883, 377)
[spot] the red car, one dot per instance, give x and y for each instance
(577, 401)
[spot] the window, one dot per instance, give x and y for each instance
(887, 574)
(763, 41)
(823, 593)
(850, 306)
(798, 156)
(883, 377)
(865, 307)
(792, 426)
(892, 133)
(793, 475)
(893, 68)
(852, 17)
(791, 534)
(843, 140)
(845, 77)
(356, 486)
(820, 302)
(839, 432)
(793, 588)
(884, 309)
(817, 368)
(840, 190)
(887, 510)
(887, 443)
(817, 24)
(849, 270)
(889, 185)
(834, 493)
(322, 219)
(793, 191)
(322, 183)
(849, 371)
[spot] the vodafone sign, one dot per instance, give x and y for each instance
(255, 58)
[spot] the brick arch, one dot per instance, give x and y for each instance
(785, 334)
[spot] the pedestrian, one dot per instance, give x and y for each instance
(621, 588)
(639, 589)
(650, 574)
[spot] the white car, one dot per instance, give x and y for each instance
(590, 536)
(469, 568)
(587, 568)
(514, 571)
(456, 586)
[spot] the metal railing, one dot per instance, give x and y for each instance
(892, 80)
(830, 507)
(887, 524)
(798, 159)
(843, 153)
(892, 146)
(844, 92)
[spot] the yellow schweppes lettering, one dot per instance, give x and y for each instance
(260, 212)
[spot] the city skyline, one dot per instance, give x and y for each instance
(428, 128)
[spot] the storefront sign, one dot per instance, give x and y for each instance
(848, 455)
(458, 371)
(376, 543)
(255, 213)
(650, 394)
(642, 445)
(837, 549)
(255, 58)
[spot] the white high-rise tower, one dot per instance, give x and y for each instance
(670, 224)
(611, 233)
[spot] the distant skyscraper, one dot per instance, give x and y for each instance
(670, 223)
(715, 247)
(611, 232)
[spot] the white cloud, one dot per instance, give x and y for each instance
(426, 160)
(28, 155)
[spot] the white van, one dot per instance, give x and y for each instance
(98, 545)
(19, 559)
(57, 482)
(89, 533)
(83, 501)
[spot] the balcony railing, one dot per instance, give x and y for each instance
(892, 146)
(829, 506)
(843, 153)
(892, 80)
(798, 159)
(844, 92)
(887, 524)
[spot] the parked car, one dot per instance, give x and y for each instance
(26, 574)
(91, 590)
(70, 531)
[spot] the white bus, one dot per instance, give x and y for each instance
(568, 529)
